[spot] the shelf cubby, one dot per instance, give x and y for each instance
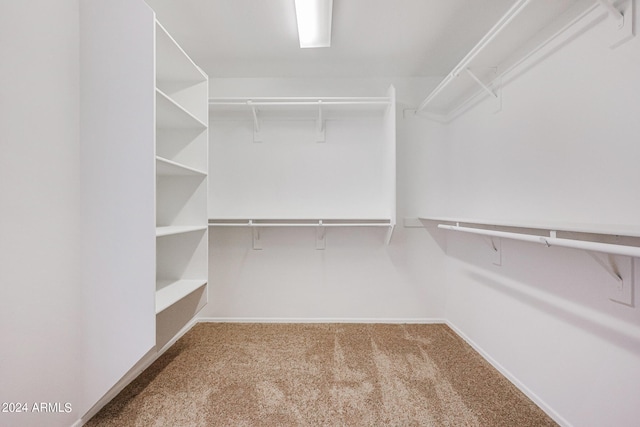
(178, 76)
(184, 146)
(171, 291)
(182, 256)
(170, 115)
(181, 200)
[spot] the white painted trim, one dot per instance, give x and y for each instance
(512, 378)
(319, 320)
(146, 361)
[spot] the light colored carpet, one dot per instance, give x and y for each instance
(222, 374)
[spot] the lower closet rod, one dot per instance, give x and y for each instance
(608, 248)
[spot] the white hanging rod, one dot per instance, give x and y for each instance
(493, 32)
(300, 98)
(319, 223)
(263, 103)
(551, 240)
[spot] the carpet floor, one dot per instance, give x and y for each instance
(225, 374)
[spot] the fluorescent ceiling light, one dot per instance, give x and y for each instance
(314, 22)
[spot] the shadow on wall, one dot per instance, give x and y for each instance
(564, 283)
(439, 236)
(613, 330)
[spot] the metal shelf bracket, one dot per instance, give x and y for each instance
(495, 244)
(320, 236)
(495, 93)
(320, 127)
(257, 137)
(387, 239)
(485, 87)
(496, 247)
(622, 15)
(620, 268)
(255, 233)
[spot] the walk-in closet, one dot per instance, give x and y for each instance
(424, 214)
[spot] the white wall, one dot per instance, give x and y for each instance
(39, 247)
(291, 175)
(357, 277)
(564, 148)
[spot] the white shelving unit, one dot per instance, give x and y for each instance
(290, 162)
(181, 173)
(143, 126)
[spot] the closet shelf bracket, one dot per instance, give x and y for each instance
(484, 87)
(620, 268)
(494, 92)
(389, 234)
(257, 137)
(614, 13)
(255, 234)
(320, 236)
(320, 136)
(622, 16)
(495, 244)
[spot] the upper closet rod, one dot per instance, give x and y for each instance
(301, 101)
(493, 32)
(552, 240)
(320, 223)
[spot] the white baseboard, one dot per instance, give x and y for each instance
(133, 373)
(318, 320)
(512, 378)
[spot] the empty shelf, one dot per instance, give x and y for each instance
(169, 292)
(171, 230)
(169, 167)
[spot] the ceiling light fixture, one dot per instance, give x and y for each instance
(314, 22)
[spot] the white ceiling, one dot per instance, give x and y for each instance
(370, 38)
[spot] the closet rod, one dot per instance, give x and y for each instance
(493, 32)
(294, 224)
(297, 103)
(608, 248)
(298, 98)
